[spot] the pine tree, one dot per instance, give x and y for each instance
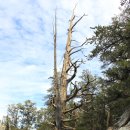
(112, 45)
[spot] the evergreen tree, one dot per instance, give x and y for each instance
(93, 113)
(112, 45)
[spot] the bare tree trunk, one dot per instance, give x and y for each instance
(109, 117)
(58, 122)
(66, 65)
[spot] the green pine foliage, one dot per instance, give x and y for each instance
(112, 46)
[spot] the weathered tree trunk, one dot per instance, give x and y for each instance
(109, 117)
(125, 118)
(123, 123)
(66, 65)
(58, 116)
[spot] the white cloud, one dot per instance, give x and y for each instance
(26, 50)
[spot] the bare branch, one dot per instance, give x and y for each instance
(74, 74)
(76, 51)
(71, 65)
(69, 120)
(77, 21)
(76, 90)
(51, 78)
(76, 46)
(74, 108)
(75, 41)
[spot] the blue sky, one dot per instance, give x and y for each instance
(26, 43)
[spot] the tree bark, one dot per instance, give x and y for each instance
(125, 118)
(58, 117)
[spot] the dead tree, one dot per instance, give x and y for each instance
(57, 105)
(69, 71)
(68, 65)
